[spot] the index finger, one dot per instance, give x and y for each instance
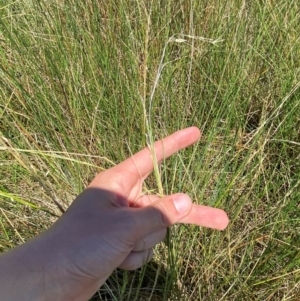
(141, 164)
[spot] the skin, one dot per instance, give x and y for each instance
(109, 225)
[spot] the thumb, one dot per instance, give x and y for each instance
(164, 213)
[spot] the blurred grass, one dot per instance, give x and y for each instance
(78, 82)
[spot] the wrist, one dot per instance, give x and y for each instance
(21, 276)
(37, 271)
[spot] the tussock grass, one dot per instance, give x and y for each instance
(85, 84)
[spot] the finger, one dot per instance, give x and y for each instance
(141, 164)
(162, 213)
(206, 217)
(178, 208)
(199, 215)
(136, 260)
(150, 240)
(144, 200)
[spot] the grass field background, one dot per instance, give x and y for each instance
(84, 84)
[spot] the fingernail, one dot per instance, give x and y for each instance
(182, 203)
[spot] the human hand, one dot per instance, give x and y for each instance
(113, 225)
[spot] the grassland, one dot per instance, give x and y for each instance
(85, 83)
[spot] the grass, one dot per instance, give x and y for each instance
(85, 84)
